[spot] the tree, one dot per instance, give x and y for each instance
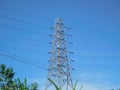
(7, 82)
(34, 86)
(19, 85)
(6, 77)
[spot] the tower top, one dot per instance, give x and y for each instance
(58, 20)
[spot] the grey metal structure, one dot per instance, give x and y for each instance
(59, 68)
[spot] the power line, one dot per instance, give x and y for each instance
(16, 12)
(21, 59)
(9, 27)
(31, 40)
(96, 70)
(17, 28)
(9, 53)
(6, 9)
(19, 20)
(15, 19)
(89, 85)
(98, 53)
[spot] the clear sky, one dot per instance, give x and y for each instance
(24, 31)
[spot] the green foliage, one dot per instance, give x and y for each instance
(57, 88)
(6, 77)
(21, 85)
(7, 82)
(54, 84)
(34, 86)
(75, 85)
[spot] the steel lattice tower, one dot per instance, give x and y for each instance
(59, 68)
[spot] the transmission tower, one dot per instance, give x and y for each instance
(59, 64)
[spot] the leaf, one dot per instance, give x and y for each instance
(74, 87)
(81, 88)
(55, 85)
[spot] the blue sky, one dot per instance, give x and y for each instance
(24, 31)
